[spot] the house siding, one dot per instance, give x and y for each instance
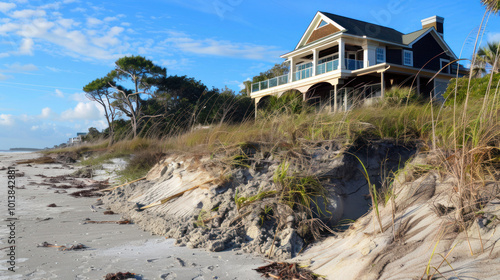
(322, 32)
(394, 56)
(427, 51)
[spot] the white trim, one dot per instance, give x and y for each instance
(312, 26)
(446, 62)
(404, 56)
(376, 40)
(319, 24)
(432, 19)
(311, 46)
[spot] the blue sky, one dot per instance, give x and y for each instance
(50, 49)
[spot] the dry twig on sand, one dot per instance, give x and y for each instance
(122, 222)
(119, 276)
(78, 246)
(282, 270)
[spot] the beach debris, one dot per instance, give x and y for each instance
(119, 276)
(43, 219)
(93, 208)
(122, 185)
(165, 200)
(52, 205)
(283, 270)
(40, 160)
(78, 246)
(121, 222)
(108, 212)
(86, 193)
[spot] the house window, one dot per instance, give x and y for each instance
(322, 23)
(407, 58)
(328, 58)
(380, 55)
(303, 66)
(443, 65)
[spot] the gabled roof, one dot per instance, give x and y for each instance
(363, 28)
(410, 37)
(344, 25)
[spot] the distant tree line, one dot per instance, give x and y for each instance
(140, 99)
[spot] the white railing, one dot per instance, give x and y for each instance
(273, 82)
(302, 74)
(350, 64)
(353, 64)
(327, 67)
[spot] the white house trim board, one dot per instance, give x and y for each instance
(310, 47)
(447, 61)
(313, 26)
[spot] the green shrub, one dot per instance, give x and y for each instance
(399, 96)
(478, 88)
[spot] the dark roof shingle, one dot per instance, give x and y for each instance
(362, 28)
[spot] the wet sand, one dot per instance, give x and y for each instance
(110, 248)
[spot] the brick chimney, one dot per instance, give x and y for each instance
(436, 22)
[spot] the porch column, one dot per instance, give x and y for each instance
(369, 55)
(315, 61)
(346, 98)
(292, 68)
(382, 84)
(335, 98)
(342, 53)
(256, 106)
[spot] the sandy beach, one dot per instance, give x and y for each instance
(110, 248)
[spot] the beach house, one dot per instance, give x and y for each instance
(340, 61)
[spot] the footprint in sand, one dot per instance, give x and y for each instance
(168, 276)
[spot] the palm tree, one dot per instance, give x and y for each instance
(492, 5)
(487, 58)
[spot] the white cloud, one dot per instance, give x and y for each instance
(5, 7)
(18, 67)
(66, 23)
(47, 113)
(59, 93)
(223, 48)
(92, 22)
(109, 39)
(176, 64)
(6, 120)
(79, 10)
(8, 27)
(493, 37)
(26, 46)
(28, 13)
(55, 6)
(5, 77)
(79, 97)
(83, 111)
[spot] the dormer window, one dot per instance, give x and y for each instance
(380, 55)
(408, 58)
(322, 23)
